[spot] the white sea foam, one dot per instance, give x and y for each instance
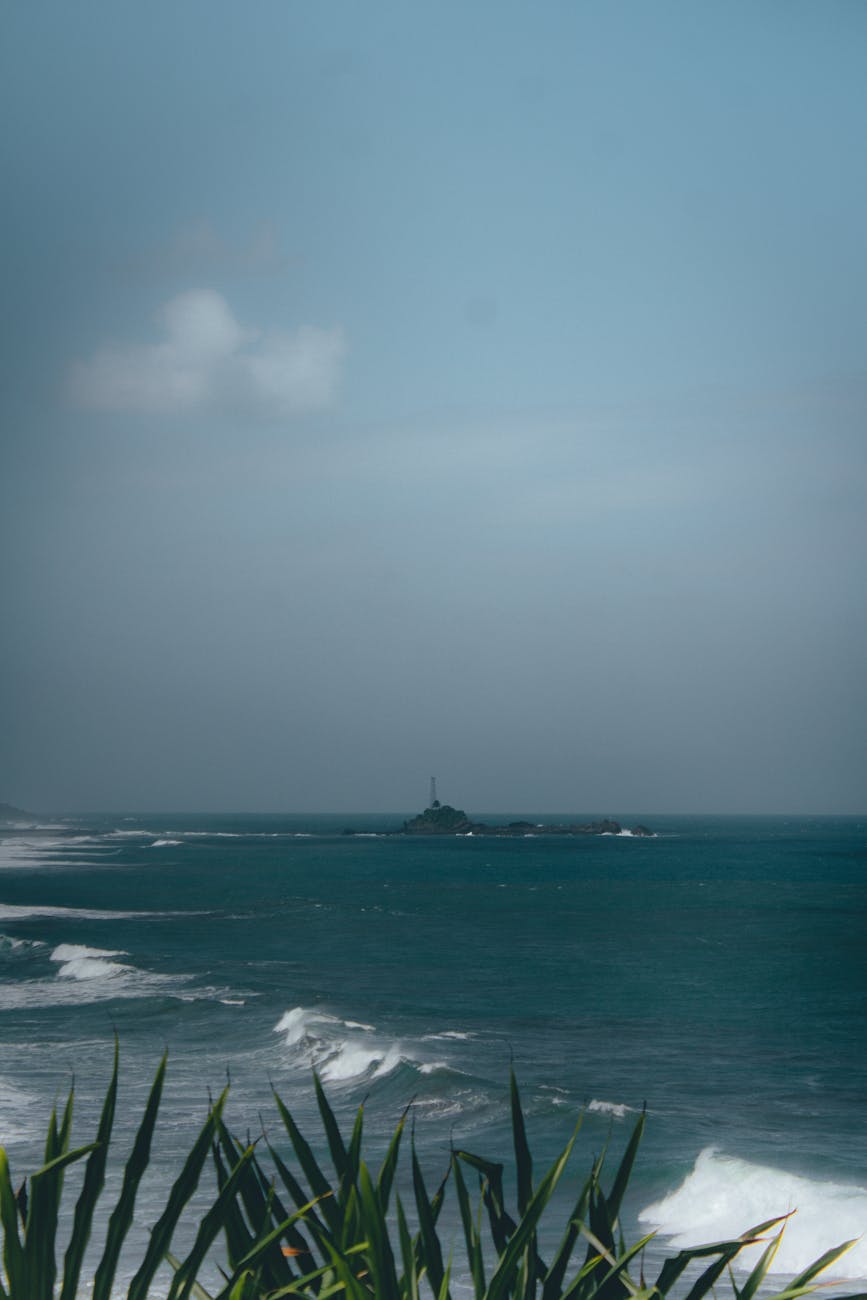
(351, 1060)
(456, 1034)
(300, 1023)
(87, 975)
(81, 963)
(35, 850)
(616, 1108)
(160, 844)
(725, 1196)
(340, 1050)
(223, 835)
(27, 912)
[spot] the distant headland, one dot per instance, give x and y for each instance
(9, 813)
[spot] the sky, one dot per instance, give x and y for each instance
(476, 390)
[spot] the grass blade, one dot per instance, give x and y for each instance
(386, 1172)
(503, 1277)
(674, 1267)
(409, 1288)
(335, 1142)
(94, 1181)
(41, 1220)
(553, 1283)
(353, 1155)
(208, 1229)
(444, 1287)
(760, 1269)
(471, 1235)
(280, 1230)
(295, 1190)
(618, 1266)
(121, 1217)
(431, 1252)
(41, 1232)
(823, 1262)
(380, 1257)
(502, 1224)
(319, 1184)
(182, 1189)
(262, 1207)
(709, 1277)
(624, 1173)
(198, 1292)
(523, 1159)
(239, 1238)
(13, 1252)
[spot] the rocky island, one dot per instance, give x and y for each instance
(442, 819)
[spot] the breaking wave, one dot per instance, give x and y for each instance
(341, 1050)
(725, 1196)
(618, 1109)
(78, 962)
(86, 975)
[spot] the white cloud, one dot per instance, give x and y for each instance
(207, 361)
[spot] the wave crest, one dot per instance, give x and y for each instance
(78, 962)
(725, 1196)
(618, 1109)
(339, 1050)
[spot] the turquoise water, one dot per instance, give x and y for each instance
(717, 972)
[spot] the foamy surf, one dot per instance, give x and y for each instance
(618, 1109)
(725, 1196)
(339, 1050)
(28, 912)
(449, 1035)
(78, 962)
(86, 975)
(39, 851)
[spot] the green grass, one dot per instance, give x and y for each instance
(284, 1222)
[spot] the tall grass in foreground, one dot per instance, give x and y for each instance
(282, 1224)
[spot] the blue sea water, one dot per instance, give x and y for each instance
(716, 972)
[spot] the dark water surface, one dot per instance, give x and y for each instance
(717, 972)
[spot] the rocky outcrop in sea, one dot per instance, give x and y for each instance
(442, 819)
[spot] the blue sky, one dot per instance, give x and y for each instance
(474, 389)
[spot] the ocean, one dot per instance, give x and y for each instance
(716, 973)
